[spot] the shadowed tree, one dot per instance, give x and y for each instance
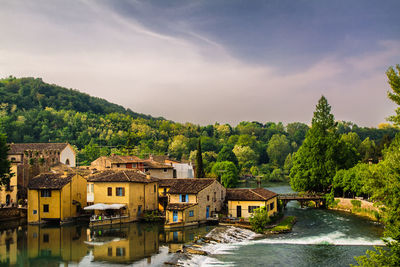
(199, 162)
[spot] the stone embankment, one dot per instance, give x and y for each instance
(12, 213)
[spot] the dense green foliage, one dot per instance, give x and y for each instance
(199, 162)
(33, 111)
(227, 172)
(5, 165)
(259, 219)
(316, 161)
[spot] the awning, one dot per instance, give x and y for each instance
(101, 206)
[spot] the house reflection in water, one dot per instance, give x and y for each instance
(8, 247)
(124, 244)
(62, 244)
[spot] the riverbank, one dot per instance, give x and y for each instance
(358, 207)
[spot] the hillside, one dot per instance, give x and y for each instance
(33, 111)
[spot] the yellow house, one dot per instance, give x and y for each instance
(136, 191)
(8, 247)
(8, 193)
(242, 202)
(55, 197)
(193, 201)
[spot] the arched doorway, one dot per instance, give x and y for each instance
(67, 162)
(8, 200)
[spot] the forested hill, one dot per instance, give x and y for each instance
(33, 111)
(31, 93)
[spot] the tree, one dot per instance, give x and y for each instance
(226, 154)
(199, 162)
(315, 162)
(245, 154)
(259, 219)
(393, 74)
(5, 165)
(278, 149)
(227, 172)
(178, 146)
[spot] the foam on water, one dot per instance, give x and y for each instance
(334, 238)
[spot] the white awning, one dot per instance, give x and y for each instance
(101, 206)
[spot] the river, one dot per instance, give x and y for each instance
(319, 238)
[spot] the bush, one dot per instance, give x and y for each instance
(356, 203)
(259, 219)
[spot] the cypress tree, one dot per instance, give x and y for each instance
(5, 168)
(199, 162)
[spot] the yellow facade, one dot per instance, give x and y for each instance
(138, 197)
(244, 207)
(185, 217)
(66, 243)
(63, 204)
(8, 195)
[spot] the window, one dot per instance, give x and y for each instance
(120, 252)
(155, 188)
(183, 198)
(109, 191)
(13, 159)
(118, 165)
(215, 196)
(46, 208)
(87, 188)
(222, 195)
(165, 170)
(45, 193)
(109, 251)
(46, 238)
(252, 208)
(92, 188)
(34, 212)
(120, 191)
(208, 198)
(271, 206)
(191, 213)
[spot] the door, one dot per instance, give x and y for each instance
(175, 216)
(238, 211)
(208, 211)
(8, 200)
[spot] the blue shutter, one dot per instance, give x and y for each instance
(187, 198)
(180, 198)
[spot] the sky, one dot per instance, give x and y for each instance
(211, 61)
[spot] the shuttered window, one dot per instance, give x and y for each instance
(120, 191)
(109, 191)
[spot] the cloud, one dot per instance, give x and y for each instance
(191, 78)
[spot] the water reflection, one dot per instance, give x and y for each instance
(34, 245)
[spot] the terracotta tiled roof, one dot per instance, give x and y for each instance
(167, 182)
(180, 206)
(189, 186)
(261, 194)
(50, 181)
(121, 176)
(156, 165)
(20, 148)
(124, 159)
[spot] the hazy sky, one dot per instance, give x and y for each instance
(211, 61)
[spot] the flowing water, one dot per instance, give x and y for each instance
(319, 238)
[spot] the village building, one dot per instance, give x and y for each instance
(122, 194)
(31, 159)
(55, 197)
(155, 169)
(242, 202)
(180, 169)
(193, 201)
(8, 193)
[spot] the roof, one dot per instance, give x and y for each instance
(20, 148)
(180, 206)
(121, 176)
(124, 159)
(50, 181)
(258, 194)
(189, 185)
(156, 165)
(168, 182)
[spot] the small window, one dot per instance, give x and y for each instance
(191, 213)
(165, 170)
(155, 188)
(34, 212)
(45, 193)
(120, 252)
(183, 198)
(109, 191)
(67, 162)
(109, 251)
(120, 191)
(271, 206)
(222, 195)
(118, 165)
(208, 198)
(46, 208)
(45, 238)
(146, 170)
(252, 208)
(13, 159)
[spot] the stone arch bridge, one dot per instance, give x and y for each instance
(302, 198)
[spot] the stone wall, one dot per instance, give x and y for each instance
(12, 213)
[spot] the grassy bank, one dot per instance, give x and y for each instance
(283, 226)
(358, 207)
